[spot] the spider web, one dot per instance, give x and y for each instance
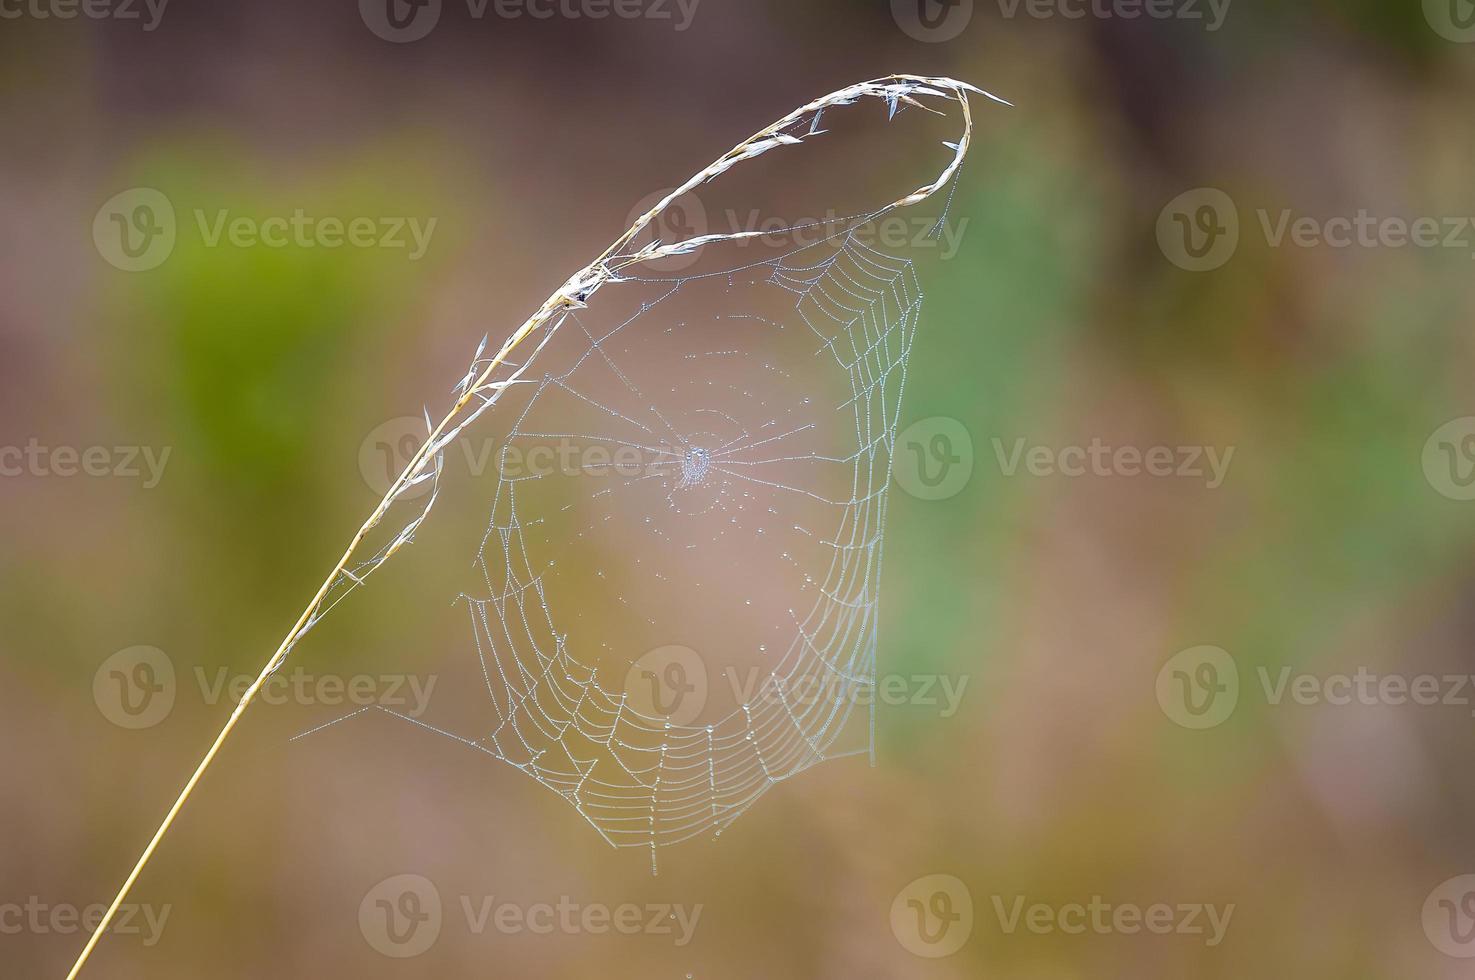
(746, 518)
(691, 486)
(806, 475)
(756, 489)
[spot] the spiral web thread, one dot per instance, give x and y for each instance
(661, 783)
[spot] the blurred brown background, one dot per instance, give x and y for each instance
(1239, 229)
